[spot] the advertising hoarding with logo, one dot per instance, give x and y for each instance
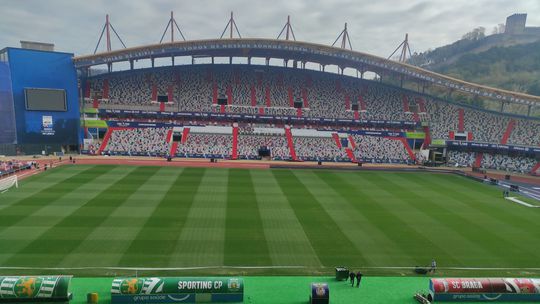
(177, 290)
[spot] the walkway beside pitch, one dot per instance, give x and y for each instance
(292, 289)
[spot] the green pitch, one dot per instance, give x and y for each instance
(236, 221)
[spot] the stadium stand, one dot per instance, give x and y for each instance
(206, 145)
(318, 148)
(141, 141)
(460, 158)
(380, 149)
(264, 90)
(517, 164)
(271, 91)
(249, 145)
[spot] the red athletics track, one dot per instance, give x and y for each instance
(205, 163)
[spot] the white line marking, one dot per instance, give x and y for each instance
(515, 200)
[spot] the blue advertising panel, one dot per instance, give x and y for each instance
(31, 69)
(7, 114)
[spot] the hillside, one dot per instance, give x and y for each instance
(515, 68)
(502, 61)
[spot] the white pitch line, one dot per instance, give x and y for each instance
(515, 200)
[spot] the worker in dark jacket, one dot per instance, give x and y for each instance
(351, 276)
(358, 278)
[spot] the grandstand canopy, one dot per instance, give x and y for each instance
(301, 52)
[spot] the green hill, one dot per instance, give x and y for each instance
(515, 68)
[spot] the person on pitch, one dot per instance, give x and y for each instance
(358, 278)
(351, 276)
(433, 266)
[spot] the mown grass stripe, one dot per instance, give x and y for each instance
(202, 239)
(35, 224)
(461, 235)
(245, 243)
(22, 209)
(85, 218)
(166, 221)
(288, 243)
(107, 243)
(490, 203)
(30, 192)
(461, 205)
(326, 237)
(419, 230)
(385, 228)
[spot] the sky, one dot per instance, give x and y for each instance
(375, 26)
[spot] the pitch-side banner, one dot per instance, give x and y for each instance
(14, 288)
(485, 289)
(177, 290)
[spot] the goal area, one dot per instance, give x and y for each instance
(8, 182)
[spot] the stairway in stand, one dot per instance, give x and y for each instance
(350, 154)
(508, 131)
(174, 148)
(478, 160)
(290, 143)
(461, 120)
(535, 168)
(185, 134)
(408, 148)
(427, 139)
(234, 154)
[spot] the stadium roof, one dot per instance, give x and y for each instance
(303, 52)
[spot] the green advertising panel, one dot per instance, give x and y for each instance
(90, 111)
(438, 142)
(26, 288)
(91, 123)
(415, 135)
(177, 289)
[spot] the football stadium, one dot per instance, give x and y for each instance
(260, 170)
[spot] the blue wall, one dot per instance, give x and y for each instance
(39, 69)
(7, 115)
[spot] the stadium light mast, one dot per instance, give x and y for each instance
(106, 30)
(405, 49)
(288, 30)
(345, 39)
(172, 24)
(231, 25)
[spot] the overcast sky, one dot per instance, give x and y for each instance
(375, 26)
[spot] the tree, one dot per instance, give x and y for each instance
(499, 29)
(476, 34)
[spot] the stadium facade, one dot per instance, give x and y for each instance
(100, 107)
